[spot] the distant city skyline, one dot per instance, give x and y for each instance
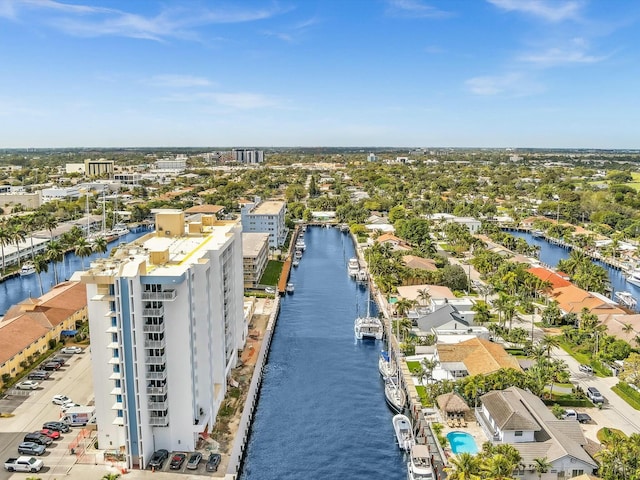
(335, 73)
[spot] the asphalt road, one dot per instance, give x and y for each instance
(73, 380)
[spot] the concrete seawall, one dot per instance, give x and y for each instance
(244, 428)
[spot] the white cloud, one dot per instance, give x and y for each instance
(575, 53)
(178, 81)
(513, 84)
(90, 21)
(414, 9)
(551, 12)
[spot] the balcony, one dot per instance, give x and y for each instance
(117, 406)
(153, 328)
(157, 375)
(117, 376)
(118, 421)
(157, 390)
(156, 359)
(160, 406)
(153, 312)
(155, 343)
(159, 421)
(116, 391)
(164, 296)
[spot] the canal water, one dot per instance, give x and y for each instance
(16, 289)
(552, 254)
(322, 412)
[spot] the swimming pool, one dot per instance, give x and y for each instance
(462, 442)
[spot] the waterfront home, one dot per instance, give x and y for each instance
(519, 418)
(27, 327)
(396, 243)
(473, 357)
(449, 325)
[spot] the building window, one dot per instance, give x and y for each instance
(518, 433)
(576, 473)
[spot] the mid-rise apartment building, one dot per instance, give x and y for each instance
(265, 217)
(255, 254)
(166, 321)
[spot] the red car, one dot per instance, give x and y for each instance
(52, 434)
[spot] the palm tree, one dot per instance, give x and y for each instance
(100, 245)
(474, 387)
(110, 476)
(18, 235)
(549, 342)
(424, 295)
(403, 306)
(41, 264)
(428, 365)
(82, 248)
(541, 465)
(5, 239)
(50, 223)
(31, 223)
(498, 467)
(55, 253)
(463, 466)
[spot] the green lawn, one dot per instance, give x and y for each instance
(271, 273)
(628, 394)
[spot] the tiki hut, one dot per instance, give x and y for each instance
(452, 406)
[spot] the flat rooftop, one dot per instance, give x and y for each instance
(270, 207)
(252, 243)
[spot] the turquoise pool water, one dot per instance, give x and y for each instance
(462, 442)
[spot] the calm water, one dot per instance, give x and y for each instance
(322, 413)
(16, 289)
(552, 254)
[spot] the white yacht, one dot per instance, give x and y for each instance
(353, 267)
(626, 299)
(362, 275)
(119, 230)
(300, 245)
(419, 467)
(633, 277)
(290, 288)
(27, 269)
(404, 432)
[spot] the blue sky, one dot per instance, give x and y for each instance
(406, 73)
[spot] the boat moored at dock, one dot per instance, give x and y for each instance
(419, 466)
(27, 269)
(394, 395)
(353, 267)
(404, 432)
(626, 299)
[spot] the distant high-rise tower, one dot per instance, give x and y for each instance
(247, 155)
(166, 320)
(372, 157)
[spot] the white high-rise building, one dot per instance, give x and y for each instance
(166, 321)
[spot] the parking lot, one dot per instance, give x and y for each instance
(32, 408)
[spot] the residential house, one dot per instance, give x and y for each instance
(446, 321)
(473, 357)
(519, 418)
(396, 243)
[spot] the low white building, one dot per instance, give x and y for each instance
(59, 193)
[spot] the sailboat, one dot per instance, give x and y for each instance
(368, 327)
(394, 394)
(386, 366)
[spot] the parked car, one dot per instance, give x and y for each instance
(27, 385)
(38, 375)
(213, 462)
(177, 460)
(51, 366)
(57, 426)
(270, 290)
(59, 360)
(194, 460)
(586, 369)
(52, 434)
(584, 418)
(23, 464)
(60, 399)
(158, 458)
(37, 437)
(71, 350)
(594, 395)
(570, 414)
(31, 448)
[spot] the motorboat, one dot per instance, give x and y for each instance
(633, 277)
(300, 245)
(626, 299)
(404, 432)
(290, 288)
(27, 269)
(419, 466)
(394, 395)
(368, 328)
(362, 275)
(119, 230)
(386, 367)
(297, 254)
(537, 233)
(295, 262)
(353, 267)
(344, 228)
